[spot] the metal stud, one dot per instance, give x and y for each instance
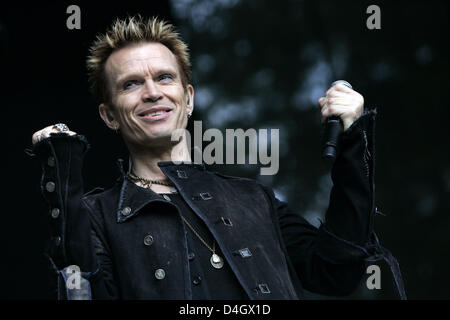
(205, 196)
(148, 240)
(126, 211)
(160, 274)
(227, 222)
(55, 213)
(50, 186)
(264, 288)
(245, 253)
(181, 174)
(51, 161)
(57, 241)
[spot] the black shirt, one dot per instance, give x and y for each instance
(207, 281)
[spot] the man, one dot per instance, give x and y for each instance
(178, 231)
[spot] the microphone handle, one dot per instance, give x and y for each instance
(333, 130)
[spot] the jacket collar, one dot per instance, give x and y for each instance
(133, 198)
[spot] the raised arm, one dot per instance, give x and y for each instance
(330, 260)
(75, 243)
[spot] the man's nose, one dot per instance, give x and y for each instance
(151, 91)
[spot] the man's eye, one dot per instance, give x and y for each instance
(165, 77)
(129, 84)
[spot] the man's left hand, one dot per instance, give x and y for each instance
(343, 102)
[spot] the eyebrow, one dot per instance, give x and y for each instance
(131, 75)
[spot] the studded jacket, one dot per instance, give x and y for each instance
(128, 243)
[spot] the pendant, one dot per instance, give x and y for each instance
(216, 261)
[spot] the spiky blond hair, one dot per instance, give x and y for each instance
(129, 31)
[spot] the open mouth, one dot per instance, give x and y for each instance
(155, 114)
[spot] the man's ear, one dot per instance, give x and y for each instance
(189, 98)
(107, 116)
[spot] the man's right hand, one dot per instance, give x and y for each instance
(45, 133)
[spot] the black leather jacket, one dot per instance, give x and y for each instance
(107, 233)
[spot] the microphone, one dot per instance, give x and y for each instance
(333, 130)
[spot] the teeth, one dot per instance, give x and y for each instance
(156, 113)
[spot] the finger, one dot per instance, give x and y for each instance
(339, 110)
(346, 101)
(338, 94)
(329, 113)
(68, 132)
(47, 131)
(42, 134)
(39, 135)
(355, 97)
(322, 113)
(321, 102)
(340, 88)
(324, 119)
(35, 138)
(330, 90)
(343, 88)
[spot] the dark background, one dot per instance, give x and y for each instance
(256, 64)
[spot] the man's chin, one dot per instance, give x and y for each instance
(161, 140)
(168, 136)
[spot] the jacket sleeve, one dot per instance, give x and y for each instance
(74, 246)
(331, 260)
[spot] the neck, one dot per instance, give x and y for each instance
(145, 161)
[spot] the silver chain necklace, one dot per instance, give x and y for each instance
(147, 183)
(216, 260)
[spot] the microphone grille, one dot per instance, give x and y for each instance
(345, 83)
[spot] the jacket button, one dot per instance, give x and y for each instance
(191, 256)
(55, 213)
(57, 241)
(51, 161)
(126, 211)
(160, 274)
(50, 186)
(181, 174)
(148, 240)
(197, 280)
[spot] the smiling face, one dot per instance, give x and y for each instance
(148, 100)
